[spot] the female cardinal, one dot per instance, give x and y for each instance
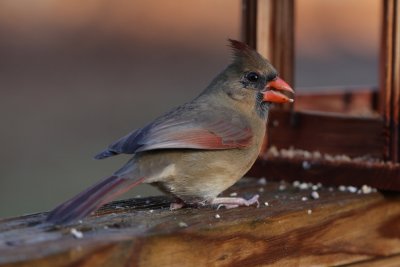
(196, 150)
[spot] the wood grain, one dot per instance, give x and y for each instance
(390, 79)
(341, 228)
(392, 261)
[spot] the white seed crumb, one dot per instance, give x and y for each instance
(296, 183)
(217, 216)
(233, 194)
(352, 189)
(182, 224)
(77, 234)
(309, 212)
(307, 154)
(314, 195)
(261, 189)
(266, 204)
(282, 187)
(342, 188)
(262, 181)
(365, 189)
(304, 198)
(273, 151)
(314, 187)
(306, 165)
(303, 186)
(151, 211)
(317, 154)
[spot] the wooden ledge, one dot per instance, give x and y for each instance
(338, 228)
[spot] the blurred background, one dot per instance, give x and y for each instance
(77, 75)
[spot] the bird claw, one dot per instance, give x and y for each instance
(234, 202)
(178, 204)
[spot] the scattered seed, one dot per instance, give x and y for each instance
(282, 187)
(306, 165)
(296, 184)
(77, 234)
(262, 181)
(217, 216)
(342, 188)
(352, 189)
(365, 189)
(182, 224)
(309, 212)
(266, 204)
(303, 186)
(314, 187)
(304, 198)
(233, 194)
(273, 151)
(314, 195)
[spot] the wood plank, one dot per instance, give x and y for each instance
(269, 27)
(330, 133)
(385, 176)
(390, 80)
(249, 22)
(337, 228)
(351, 101)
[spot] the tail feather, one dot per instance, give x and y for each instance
(91, 199)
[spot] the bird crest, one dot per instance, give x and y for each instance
(246, 55)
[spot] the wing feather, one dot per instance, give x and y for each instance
(186, 128)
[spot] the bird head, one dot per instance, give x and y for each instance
(253, 80)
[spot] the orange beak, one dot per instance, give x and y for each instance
(271, 93)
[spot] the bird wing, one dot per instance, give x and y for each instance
(186, 128)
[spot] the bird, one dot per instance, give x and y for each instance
(199, 149)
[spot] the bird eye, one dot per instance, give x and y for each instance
(252, 76)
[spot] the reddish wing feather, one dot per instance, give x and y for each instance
(218, 129)
(199, 139)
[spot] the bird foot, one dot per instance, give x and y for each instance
(178, 204)
(234, 202)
